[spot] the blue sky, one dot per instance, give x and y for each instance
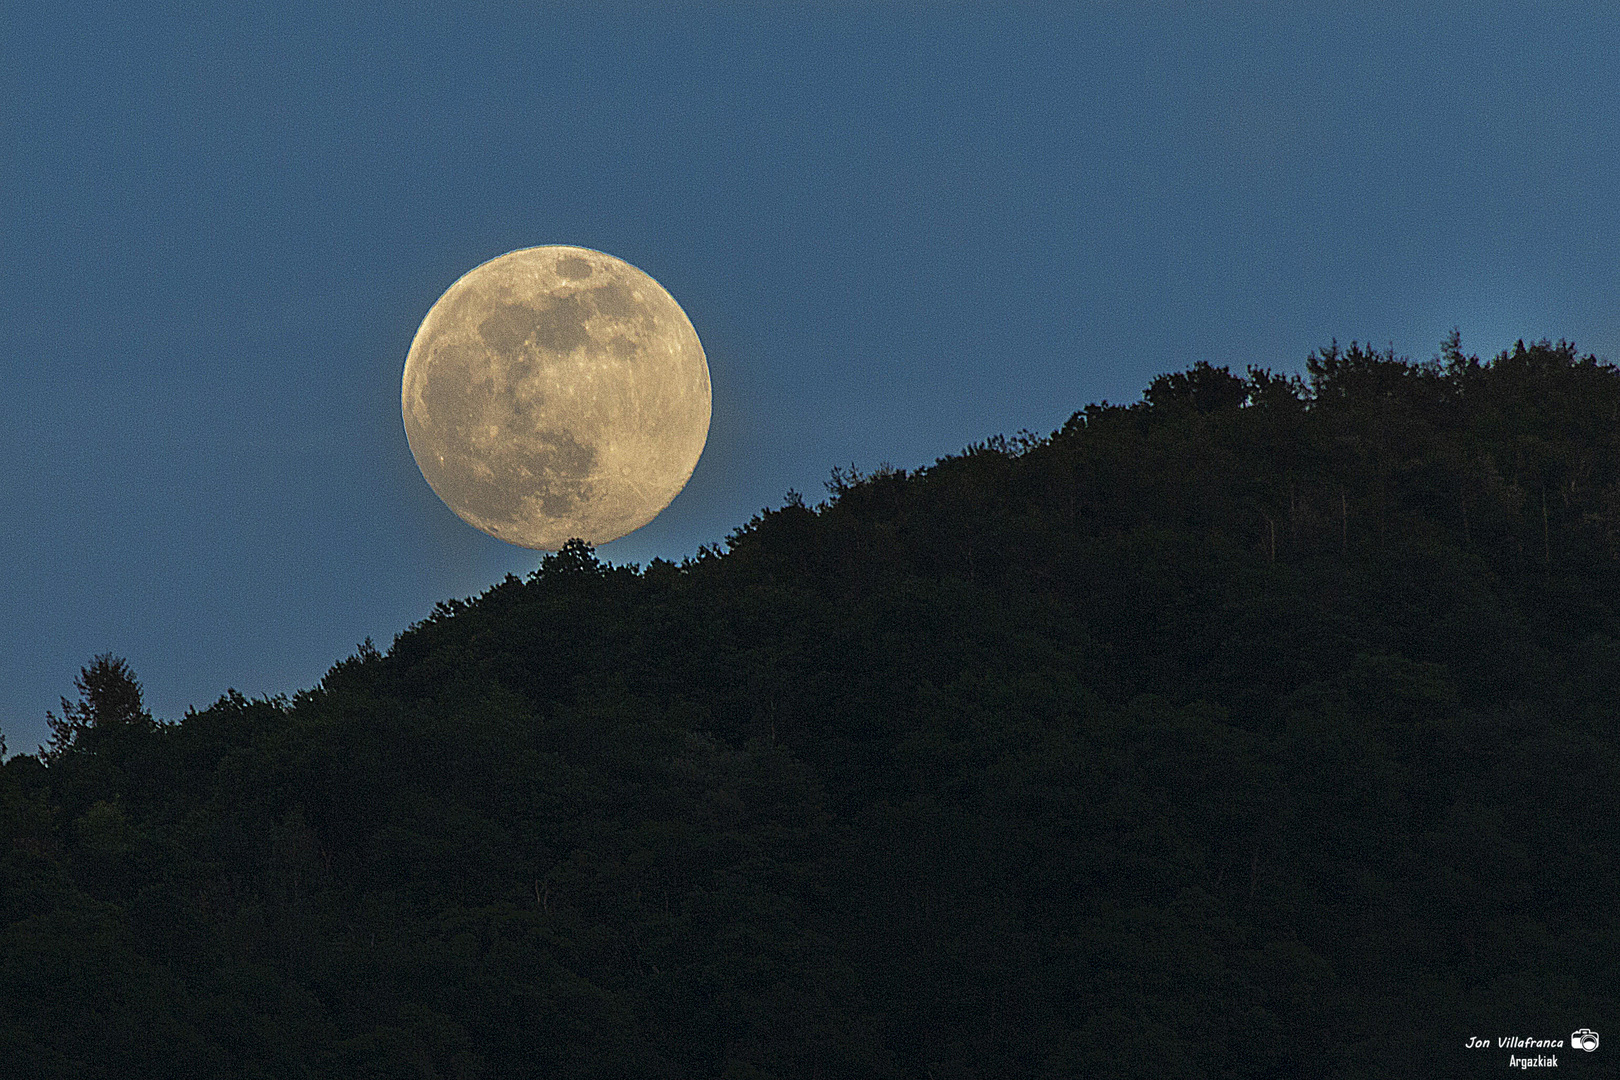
(897, 229)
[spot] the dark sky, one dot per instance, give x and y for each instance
(896, 229)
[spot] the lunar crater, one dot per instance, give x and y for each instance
(572, 267)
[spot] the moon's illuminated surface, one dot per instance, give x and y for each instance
(556, 392)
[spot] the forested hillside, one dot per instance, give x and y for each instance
(1262, 728)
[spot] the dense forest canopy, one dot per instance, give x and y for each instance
(1265, 727)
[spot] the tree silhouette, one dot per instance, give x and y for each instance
(109, 702)
(1204, 387)
(574, 557)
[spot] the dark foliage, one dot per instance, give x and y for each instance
(1264, 728)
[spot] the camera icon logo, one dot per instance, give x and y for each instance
(1584, 1039)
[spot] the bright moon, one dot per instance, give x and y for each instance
(556, 392)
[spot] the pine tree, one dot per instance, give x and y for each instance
(109, 701)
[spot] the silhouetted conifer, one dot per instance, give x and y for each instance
(109, 706)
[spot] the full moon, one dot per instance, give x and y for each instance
(556, 392)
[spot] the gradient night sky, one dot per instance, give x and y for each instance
(896, 229)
